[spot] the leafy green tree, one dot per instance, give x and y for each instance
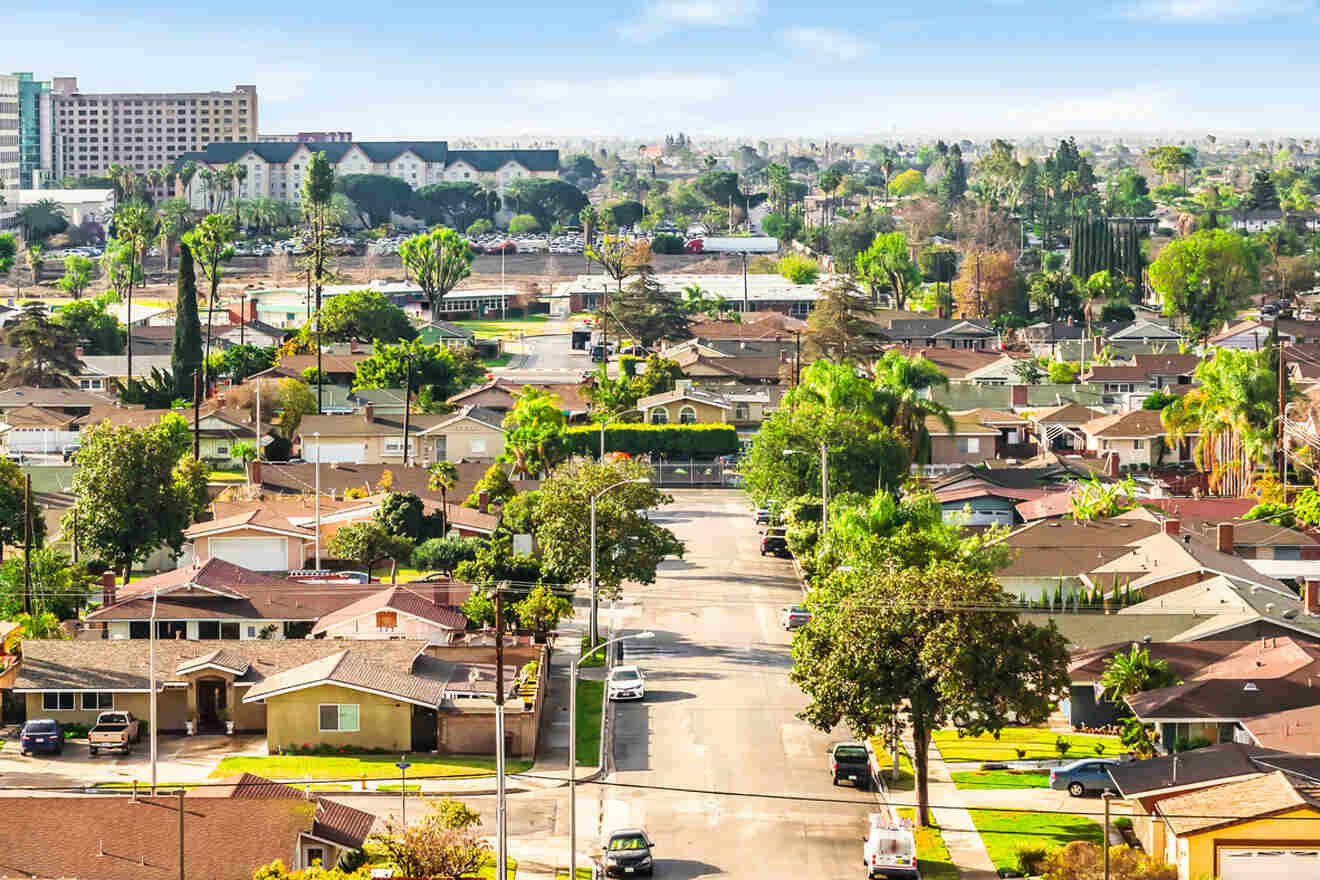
(135, 490)
(8, 252)
(495, 562)
(362, 316)
(12, 528)
(479, 227)
(841, 326)
(549, 201)
(611, 395)
(647, 313)
(891, 648)
(43, 219)
(437, 261)
(458, 204)
(888, 263)
(1129, 674)
(442, 477)
(479, 608)
(186, 356)
(1158, 400)
(907, 183)
(445, 554)
(534, 433)
(1062, 373)
(377, 197)
(45, 625)
(629, 545)
(365, 543)
(402, 514)
(44, 351)
(523, 224)
(445, 371)
(120, 268)
(581, 170)
(135, 224)
(1128, 194)
(542, 610)
(496, 485)
(1264, 195)
(1205, 278)
(431, 847)
(78, 272)
(97, 332)
(238, 362)
(58, 588)
(212, 244)
(293, 400)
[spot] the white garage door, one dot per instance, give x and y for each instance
(348, 453)
(258, 554)
(1269, 864)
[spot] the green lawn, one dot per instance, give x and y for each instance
(530, 324)
(596, 660)
(933, 859)
(394, 786)
(1003, 830)
(487, 871)
(226, 477)
(501, 361)
(295, 768)
(905, 781)
(583, 873)
(1034, 742)
(590, 703)
(1003, 779)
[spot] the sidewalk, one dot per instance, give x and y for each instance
(966, 850)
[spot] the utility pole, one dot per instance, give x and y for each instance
(181, 871)
(75, 534)
(746, 304)
(1283, 404)
(501, 837)
(407, 398)
(197, 415)
(1107, 796)
(980, 309)
(27, 543)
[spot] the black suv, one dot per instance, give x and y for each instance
(628, 852)
(774, 541)
(850, 761)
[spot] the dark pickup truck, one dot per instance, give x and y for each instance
(851, 762)
(775, 541)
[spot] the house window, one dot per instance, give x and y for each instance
(687, 416)
(659, 416)
(1104, 444)
(252, 632)
(342, 717)
(229, 630)
(315, 855)
(394, 444)
(969, 444)
(222, 450)
(171, 629)
(98, 700)
(478, 446)
(139, 629)
(208, 629)
(387, 620)
(57, 702)
(740, 412)
(1138, 444)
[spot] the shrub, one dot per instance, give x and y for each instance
(1062, 746)
(480, 227)
(1123, 823)
(1029, 858)
(663, 243)
(1062, 373)
(1279, 514)
(522, 224)
(1099, 748)
(1080, 860)
(799, 269)
(696, 441)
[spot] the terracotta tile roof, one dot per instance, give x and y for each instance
(224, 838)
(1246, 800)
(1213, 509)
(122, 664)
(350, 668)
(398, 599)
(1050, 505)
(254, 518)
(1139, 423)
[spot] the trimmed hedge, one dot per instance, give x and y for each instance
(638, 439)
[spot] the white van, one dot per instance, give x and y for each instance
(890, 851)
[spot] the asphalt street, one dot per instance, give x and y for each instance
(548, 359)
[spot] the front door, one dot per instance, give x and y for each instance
(211, 702)
(423, 729)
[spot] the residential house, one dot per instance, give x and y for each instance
(447, 334)
(956, 363)
(35, 429)
(1233, 811)
(339, 369)
(228, 832)
(751, 407)
(941, 333)
(1001, 371)
(1142, 333)
(394, 613)
(472, 433)
(685, 405)
(1169, 371)
(1120, 379)
(1058, 428)
(364, 438)
(221, 429)
(69, 401)
(394, 695)
(500, 395)
(249, 332)
(256, 539)
(753, 368)
(1254, 335)
(1136, 437)
(967, 442)
(109, 373)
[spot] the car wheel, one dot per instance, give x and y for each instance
(1076, 789)
(23, 752)
(836, 781)
(92, 751)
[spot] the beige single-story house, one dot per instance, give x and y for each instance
(256, 540)
(362, 438)
(393, 613)
(686, 405)
(471, 434)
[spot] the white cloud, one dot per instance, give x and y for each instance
(1212, 10)
(668, 16)
(825, 44)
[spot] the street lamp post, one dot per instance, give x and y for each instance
(403, 764)
(317, 500)
(572, 746)
(151, 664)
(606, 422)
(824, 484)
(595, 599)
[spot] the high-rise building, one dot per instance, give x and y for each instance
(308, 137)
(36, 129)
(143, 131)
(9, 165)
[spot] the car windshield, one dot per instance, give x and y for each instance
(629, 841)
(40, 727)
(850, 752)
(626, 675)
(798, 609)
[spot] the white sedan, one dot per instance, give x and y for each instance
(626, 683)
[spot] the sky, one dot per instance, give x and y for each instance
(729, 68)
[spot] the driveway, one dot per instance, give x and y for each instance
(178, 759)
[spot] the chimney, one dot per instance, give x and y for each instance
(254, 472)
(352, 346)
(252, 309)
(483, 502)
(1111, 465)
(368, 413)
(1311, 596)
(1224, 537)
(1019, 395)
(1172, 526)
(108, 591)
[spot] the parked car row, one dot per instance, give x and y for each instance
(94, 251)
(114, 731)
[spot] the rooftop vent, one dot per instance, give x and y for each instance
(1250, 686)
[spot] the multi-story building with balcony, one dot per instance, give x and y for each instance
(9, 159)
(143, 130)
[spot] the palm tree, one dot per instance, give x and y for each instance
(155, 178)
(1133, 673)
(186, 174)
(238, 174)
(835, 386)
(442, 477)
(44, 351)
(34, 252)
(135, 225)
(42, 219)
(902, 385)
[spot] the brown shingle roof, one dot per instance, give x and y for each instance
(356, 425)
(35, 416)
(1138, 423)
(1115, 374)
(1246, 800)
(398, 599)
(1067, 414)
(351, 669)
(1168, 364)
(254, 518)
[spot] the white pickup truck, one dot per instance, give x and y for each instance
(114, 730)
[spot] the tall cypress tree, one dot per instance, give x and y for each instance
(186, 359)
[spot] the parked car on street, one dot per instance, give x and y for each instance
(627, 852)
(763, 516)
(890, 850)
(41, 735)
(774, 541)
(794, 616)
(851, 762)
(1080, 777)
(626, 683)
(114, 730)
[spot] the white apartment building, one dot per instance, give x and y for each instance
(144, 130)
(276, 170)
(9, 153)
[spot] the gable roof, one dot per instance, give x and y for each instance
(1139, 423)
(1168, 364)
(1115, 374)
(350, 669)
(1245, 799)
(356, 425)
(257, 518)
(29, 415)
(1222, 699)
(694, 395)
(1224, 761)
(1068, 414)
(52, 397)
(485, 416)
(396, 599)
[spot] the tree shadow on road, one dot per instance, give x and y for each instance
(685, 869)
